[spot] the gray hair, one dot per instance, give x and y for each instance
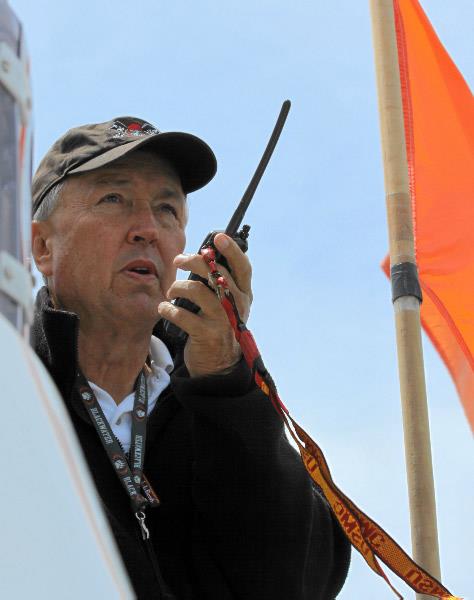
(49, 203)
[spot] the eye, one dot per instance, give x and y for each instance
(167, 208)
(111, 199)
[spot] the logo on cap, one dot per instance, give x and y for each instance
(121, 130)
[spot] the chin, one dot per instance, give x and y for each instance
(141, 307)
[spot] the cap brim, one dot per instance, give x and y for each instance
(192, 158)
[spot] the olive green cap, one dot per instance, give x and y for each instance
(89, 147)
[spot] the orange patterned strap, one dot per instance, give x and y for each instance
(364, 534)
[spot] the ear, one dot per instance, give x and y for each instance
(41, 247)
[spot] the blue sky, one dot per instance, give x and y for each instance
(322, 314)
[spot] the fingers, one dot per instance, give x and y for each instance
(211, 346)
(205, 297)
(184, 319)
(211, 314)
(198, 293)
(237, 260)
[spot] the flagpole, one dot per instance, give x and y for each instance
(405, 291)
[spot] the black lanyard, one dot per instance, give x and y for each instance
(129, 470)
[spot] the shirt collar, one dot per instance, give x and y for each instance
(160, 356)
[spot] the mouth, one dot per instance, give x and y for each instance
(141, 270)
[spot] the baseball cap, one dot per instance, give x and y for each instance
(89, 147)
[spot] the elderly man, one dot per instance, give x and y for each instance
(205, 497)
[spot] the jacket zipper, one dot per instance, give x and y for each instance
(164, 589)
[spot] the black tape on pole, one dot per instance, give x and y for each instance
(404, 278)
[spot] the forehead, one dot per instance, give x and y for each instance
(127, 170)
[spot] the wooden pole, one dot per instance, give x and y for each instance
(407, 308)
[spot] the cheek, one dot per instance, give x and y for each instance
(83, 253)
(168, 250)
(64, 257)
(69, 273)
(171, 247)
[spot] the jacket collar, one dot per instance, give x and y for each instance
(54, 338)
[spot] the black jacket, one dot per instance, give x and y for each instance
(239, 518)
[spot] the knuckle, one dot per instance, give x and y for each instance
(247, 268)
(189, 287)
(193, 284)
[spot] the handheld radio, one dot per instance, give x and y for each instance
(232, 229)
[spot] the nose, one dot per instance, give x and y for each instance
(143, 227)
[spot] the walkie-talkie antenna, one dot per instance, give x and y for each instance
(239, 213)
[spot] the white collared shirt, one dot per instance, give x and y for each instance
(120, 416)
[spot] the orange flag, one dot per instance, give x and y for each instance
(439, 129)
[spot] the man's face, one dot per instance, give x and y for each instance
(110, 243)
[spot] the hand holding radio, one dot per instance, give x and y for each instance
(211, 346)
